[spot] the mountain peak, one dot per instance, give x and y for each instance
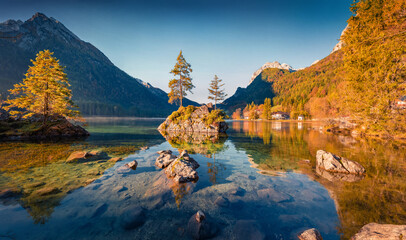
(274, 64)
(38, 15)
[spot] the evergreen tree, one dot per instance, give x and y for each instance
(266, 112)
(44, 91)
(182, 83)
(374, 58)
(215, 91)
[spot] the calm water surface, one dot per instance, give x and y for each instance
(265, 171)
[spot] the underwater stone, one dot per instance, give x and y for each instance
(133, 217)
(199, 228)
(222, 202)
(310, 234)
(47, 191)
(271, 194)
(248, 230)
(375, 231)
(334, 163)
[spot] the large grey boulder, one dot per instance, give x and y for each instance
(333, 163)
(183, 169)
(375, 231)
(310, 234)
(165, 158)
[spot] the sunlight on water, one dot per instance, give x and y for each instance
(260, 177)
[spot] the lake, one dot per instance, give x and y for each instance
(259, 181)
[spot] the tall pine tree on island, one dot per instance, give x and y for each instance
(44, 91)
(182, 82)
(215, 91)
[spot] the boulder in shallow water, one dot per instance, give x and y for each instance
(200, 228)
(310, 234)
(165, 158)
(333, 163)
(133, 165)
(375, 231)
(183, 169)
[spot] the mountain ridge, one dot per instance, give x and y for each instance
(98, 86)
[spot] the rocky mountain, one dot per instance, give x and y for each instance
(271, 65)
(259, 88)
(98, 86)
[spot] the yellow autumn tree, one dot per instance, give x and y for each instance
(44, 90)
(375, 64)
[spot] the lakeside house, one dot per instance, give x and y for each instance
(300, 118)
(400, 103)
(280, 115)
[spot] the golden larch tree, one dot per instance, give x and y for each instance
(182, 83)
(215, 91)
(44, 90)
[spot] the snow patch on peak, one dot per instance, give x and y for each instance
(274, 64)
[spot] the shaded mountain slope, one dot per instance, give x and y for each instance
(98, 86)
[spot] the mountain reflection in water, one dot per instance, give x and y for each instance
(262, 172)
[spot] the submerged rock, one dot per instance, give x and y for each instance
(222, 202)
(199, 228)
(195, 119)
(333, 163)
(84, 156)
(310, 234)
(133, 217)
(375, 231)
(248, 230)
(271, 194)
(335, 176)
(47, 191)
(183, 169)
(165, 158)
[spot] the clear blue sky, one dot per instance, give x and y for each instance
(230, 38)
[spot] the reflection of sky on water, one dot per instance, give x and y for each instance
(270, 163)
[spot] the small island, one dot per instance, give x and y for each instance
(204, 119)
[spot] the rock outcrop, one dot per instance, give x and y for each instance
(181, 169)
(55, 127)
(165, 158)
(332, 163)
(271, 65)
(204, 119)
(310, 234)
(375, 231)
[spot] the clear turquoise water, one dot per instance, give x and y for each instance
(256, 157)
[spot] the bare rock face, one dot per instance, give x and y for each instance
(183, 169)
(333, 163)
(274, 64)
(165, 158)
(375, 231)
(310, 234)
(194, 123)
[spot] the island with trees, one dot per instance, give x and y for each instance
(42, 107)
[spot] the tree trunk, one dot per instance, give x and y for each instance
(180, 88)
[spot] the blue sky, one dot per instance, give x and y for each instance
(231, 39)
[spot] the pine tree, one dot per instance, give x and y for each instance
(44, 91)
(183, 83)
(374, 58)
(266, 112)
(215, 91)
